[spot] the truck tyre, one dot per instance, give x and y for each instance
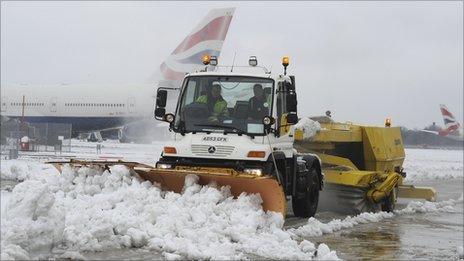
(305, 203)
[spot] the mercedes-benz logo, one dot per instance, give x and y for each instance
(212, 149)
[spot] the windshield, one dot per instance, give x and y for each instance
(233, 104)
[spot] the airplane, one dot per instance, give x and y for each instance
(95, 108)
(452, 130)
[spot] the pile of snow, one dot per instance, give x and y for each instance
(94, 210)
(427, 207)
(308, 126)
(316, 228)
(20, 170)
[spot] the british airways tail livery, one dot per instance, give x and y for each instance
(98, 107)
(452, 129)
(451, 125)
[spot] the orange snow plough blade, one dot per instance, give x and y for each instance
(271, 192)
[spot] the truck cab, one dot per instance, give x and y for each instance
(241, 120)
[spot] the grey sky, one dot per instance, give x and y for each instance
(362, 60)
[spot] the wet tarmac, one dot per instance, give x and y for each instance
(431, 236)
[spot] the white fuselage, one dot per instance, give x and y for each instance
(86, 107)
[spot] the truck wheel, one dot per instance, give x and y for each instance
(305, 203)
(388, 203)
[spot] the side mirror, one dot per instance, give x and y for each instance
(291, 102)
(292, 118)
(267, 122)
(159, 113)
(161, 97)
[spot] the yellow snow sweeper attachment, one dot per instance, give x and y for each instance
(362, 166)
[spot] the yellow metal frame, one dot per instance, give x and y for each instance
(383, 154)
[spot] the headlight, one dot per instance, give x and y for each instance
(256, 172)
(163, 166)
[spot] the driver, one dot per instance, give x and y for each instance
(217, 106)
(258, 104)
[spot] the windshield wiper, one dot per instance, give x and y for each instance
(239, 131)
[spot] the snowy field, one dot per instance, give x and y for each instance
(93, 214)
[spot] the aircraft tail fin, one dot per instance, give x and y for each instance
(451, 125)
(206, 38)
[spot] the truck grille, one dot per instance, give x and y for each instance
(219, 150)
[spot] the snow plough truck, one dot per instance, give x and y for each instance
(238, 126)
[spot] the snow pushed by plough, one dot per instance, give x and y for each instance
(90, 209)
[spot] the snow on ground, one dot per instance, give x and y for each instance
(94, 210)
(20, 170)
(426, 164)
